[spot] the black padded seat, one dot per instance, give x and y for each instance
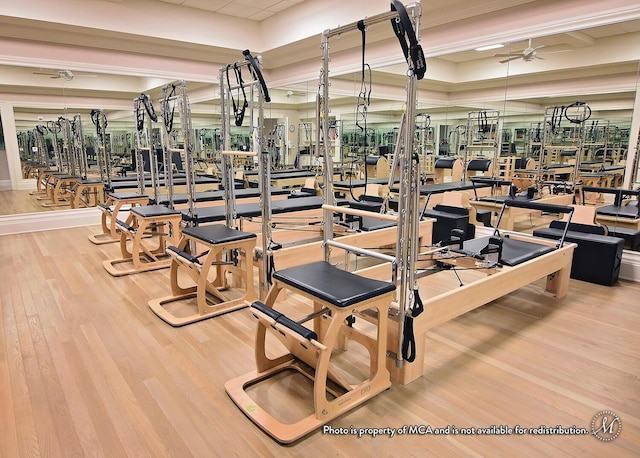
(514, 251)
(217, 195)
(217, 233)
(502, 199)
(631, 236)
(369, 224)
(204, 196)
(303, 192)
(124, 195)
(151, 211)
(219, 213)
(444, 162)
(91, 181)
(333, 285)
(299, 204)
(624, 211)
(479, 165)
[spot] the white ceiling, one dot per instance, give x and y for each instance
(255, 10)
(119, 48)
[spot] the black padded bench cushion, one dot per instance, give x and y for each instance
(219, 213)
(217, 233)
(620, 211)
(333, 285)
(596, 259)
(514, 251)
(299, 204)
(285, 321)
(150, 211)
(631, 236)
(578, 227)
(502, 199)
(125, 195)
(212, 196)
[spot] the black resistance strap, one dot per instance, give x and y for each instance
(408, 338)
(168, 119)
(403, 29)
(238, 108)
(254, 68)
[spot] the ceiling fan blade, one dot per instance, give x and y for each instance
(44, 73)
(538, 57)
(510, 59)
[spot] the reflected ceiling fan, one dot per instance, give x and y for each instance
(528, 54)
(66, 75)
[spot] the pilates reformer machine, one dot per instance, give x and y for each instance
(158, 224)
(337, 294)
(218, 257)
(115, 202)
(374, 313)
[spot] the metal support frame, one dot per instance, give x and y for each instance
(176, 92)
(67, 147)
(103, 153)
(144, 141)
(54, 127)
(580, 113)
(483, 133)
(43, 155)
(79, 147)
(408, 208)
(256, 127)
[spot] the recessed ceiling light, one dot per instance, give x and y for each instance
(486, 48)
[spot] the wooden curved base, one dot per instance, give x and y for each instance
(332, 334)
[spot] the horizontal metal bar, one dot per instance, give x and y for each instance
(363, 251)
(357, 212)
(239, 153)
(354, 25)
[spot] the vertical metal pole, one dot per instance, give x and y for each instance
(264, 177)
(184, 109)
(408, 209)
(167, 143)
(323, 104)
(228, 179)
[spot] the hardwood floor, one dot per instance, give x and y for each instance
(86, 369)
(22, 201)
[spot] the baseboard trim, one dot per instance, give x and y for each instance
(47, 221)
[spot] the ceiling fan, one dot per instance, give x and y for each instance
(66, 75)
(527, 54)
